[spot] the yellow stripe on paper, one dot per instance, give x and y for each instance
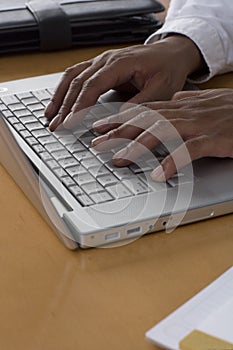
(197, 340)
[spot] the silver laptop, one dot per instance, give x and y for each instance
(86, 199)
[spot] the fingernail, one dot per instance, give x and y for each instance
(158, 174)
(121, 154)
(99, 140)
(99, 123)
(120, 158)
(55, 122)
(67, 120)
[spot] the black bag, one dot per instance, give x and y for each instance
(27, 25)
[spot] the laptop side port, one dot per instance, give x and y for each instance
(134, 230)
(112, 236)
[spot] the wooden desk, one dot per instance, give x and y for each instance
(55, 299)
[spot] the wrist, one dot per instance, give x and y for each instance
(187, 52)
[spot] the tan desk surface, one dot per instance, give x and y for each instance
(55, 299)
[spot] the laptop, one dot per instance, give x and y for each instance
(86, 199)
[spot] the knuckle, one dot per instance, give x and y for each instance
(196, 146)
(115, 133)
(68, 71)
(77, 81)
(107, 54)
(90, 84)
(160, 124)
(65, 109)
(178, 95)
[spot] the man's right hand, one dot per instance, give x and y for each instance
(152, 72)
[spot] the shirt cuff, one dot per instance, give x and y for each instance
(203, 35)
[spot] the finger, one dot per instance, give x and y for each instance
(184, 94)
(147, 140)
(195, 103)
(106, 78)
(131, 128)
(207, 93)
(114, 121)
(116, 137)
(62, 88)
(168, 105)
(161, 132)
(201, 146)
(72, 94)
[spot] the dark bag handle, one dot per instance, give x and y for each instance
(53, 23)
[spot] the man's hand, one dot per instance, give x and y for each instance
(152, 72)
(203, 119)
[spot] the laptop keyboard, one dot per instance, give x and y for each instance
(89, 175)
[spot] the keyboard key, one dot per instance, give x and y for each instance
(52, 147)
(107, 180)
(2, 106)
(123, 173)
(34, 126)
(9, 99)
(40, 133)
(92, 187)
(16, 106)
(52, 164)
(71, 142)
(60, 172)
(29, 100)
(90, 162)
(13, 120)
(136, 186)
(154, 186)
(45, 156)
(22, 113)
(179, 179)
(27, 119)
(22, 95)
(105, 157)
(101, 197)
(86, 141)
(19, 127)
(39, 113)
(51, 90)
(76, 170)
(7, 114)
(31, 140)
(83, 178)
(38, 148)
(35, 107)
(68, 162)
(82, 155)
(85, 200)
(68, 181)
(42, 94)
(45, 102)
(99, 170)
(24, 133)
(58, 155)
(110, 166)
(44, 140)
(76, 190)
(119, 191)
(44, 121)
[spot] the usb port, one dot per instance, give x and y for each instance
(112, 236)
(134, 230)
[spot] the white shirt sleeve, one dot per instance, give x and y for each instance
(209, 24)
